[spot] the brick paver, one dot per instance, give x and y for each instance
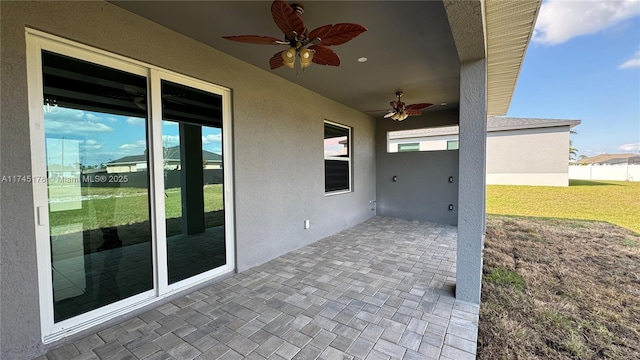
(380, 290)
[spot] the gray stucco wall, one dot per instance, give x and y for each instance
(422, 191)
(278, 149)
(472, 186)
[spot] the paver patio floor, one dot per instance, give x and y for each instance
(380, 290)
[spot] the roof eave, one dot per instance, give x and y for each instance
(509, 27)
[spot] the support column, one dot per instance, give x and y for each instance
(472, 179)
(191, 179)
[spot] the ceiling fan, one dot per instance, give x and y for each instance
(400, 111)
(138, 96)
(307, 46)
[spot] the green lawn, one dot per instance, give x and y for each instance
(116, 206)
(616, 202)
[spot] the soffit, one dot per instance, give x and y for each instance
(408, 44)
(509, 26)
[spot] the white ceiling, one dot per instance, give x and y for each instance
(408, 44)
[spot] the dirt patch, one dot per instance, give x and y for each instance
(559, 289)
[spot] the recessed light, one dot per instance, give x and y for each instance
(443, 104)
(362, 59)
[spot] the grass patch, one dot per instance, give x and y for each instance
(614, 201)
(505, 277)
(573, 295)
(113, 206)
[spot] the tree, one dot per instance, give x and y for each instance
(573, 152)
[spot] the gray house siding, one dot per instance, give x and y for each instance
(278, 149)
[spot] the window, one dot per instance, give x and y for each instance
(408, 147)
(134, 204)
(440, 138)
(337, 158)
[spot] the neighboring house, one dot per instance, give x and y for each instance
(110, 73)
(520, 151)
(135, 163)
(523, 151)
(610, 159)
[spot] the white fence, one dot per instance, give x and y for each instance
(605, 172)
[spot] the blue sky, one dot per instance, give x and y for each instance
(584, 63)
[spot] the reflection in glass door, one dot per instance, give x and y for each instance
(193, 179)
(95, 124)
(138, 198)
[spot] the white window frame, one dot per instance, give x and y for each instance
(37, 41)
(339, 158)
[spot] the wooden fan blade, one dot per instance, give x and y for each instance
(325, 56)
(419, 106)
(413, 112)
(337, 34)
(256, 39)
(276, 60)
(286, 18)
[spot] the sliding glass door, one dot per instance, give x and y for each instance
(132, 183)
(193, 180)
(95, 126)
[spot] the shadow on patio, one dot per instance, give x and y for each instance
(380, 290)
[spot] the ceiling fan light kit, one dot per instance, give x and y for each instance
(399, 116)
(308, 47)
(400, 111)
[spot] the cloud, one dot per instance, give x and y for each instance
(562, 20)
(91, 117)
(633, 147)
(90, 144)
(75, 127)
(170, 140)
(64, 114)
(138, 146)
(631, 63)
(135, 121)
(66, 121)
(211, 139)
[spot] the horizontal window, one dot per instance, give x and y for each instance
(427, 139)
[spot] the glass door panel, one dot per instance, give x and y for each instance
(193, 178)
(95, 123)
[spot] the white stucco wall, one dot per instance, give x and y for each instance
(528, 157)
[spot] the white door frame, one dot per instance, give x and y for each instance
(36, 42)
